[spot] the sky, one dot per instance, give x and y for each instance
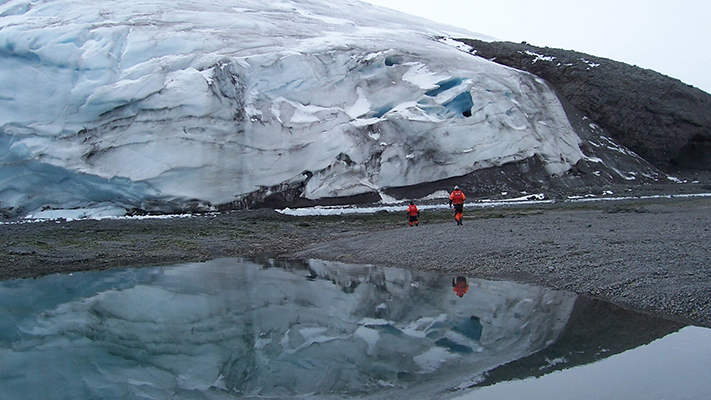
(671, 37)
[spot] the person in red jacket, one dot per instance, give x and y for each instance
(413, 214)
(456, 199)
(460, 286)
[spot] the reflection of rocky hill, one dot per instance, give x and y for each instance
(665, 121)
(595, 331)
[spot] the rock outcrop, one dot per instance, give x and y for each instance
(662, 119)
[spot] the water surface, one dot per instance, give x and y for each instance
(234, 328)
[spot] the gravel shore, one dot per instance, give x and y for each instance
(652, 256)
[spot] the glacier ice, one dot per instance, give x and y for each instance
(232, 328)
(170, 106)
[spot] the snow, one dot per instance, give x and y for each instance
(369, 336)
(433, 358)
(622, 198)
(97, 213)
(590, 63)
(420, 76)
(360, 107)
(539, 57)
(124, 104)
(400, 207)
(534, 199)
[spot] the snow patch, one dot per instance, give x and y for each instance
(539, 57)
(433, 358)
(420, 76)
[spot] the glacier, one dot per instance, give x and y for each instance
(233, 328)
(170, 107)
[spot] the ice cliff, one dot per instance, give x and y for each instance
(165, 106)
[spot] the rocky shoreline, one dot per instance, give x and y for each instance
(648, 255)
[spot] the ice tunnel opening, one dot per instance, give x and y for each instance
(393, 60)
(462, 104)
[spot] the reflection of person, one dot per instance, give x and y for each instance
(413, 214)
(460, 286)
(457, 198)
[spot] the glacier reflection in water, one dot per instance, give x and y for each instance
(233, 328)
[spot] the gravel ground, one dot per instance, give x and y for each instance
(651, 256)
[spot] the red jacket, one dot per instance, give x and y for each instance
(457, 197)
(460, 288)
(412, 210)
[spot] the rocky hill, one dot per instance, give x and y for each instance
(662, 119)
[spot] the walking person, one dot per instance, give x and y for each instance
(413, 214)
(456, 199)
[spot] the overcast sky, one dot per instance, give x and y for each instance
(671, 37)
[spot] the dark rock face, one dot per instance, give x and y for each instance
(664, 120)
